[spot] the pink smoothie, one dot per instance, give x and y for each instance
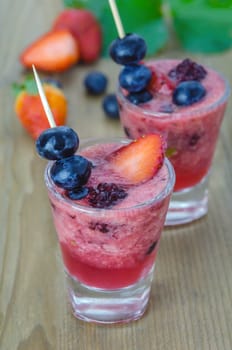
(191, 132)
(113, 247)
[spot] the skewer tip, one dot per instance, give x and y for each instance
(43, 98)
(117, 19)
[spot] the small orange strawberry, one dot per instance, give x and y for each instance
(140, 160)
(29, 109)
(55, 51)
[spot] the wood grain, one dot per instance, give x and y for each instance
(190, 306)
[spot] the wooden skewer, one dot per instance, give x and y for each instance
(44, 101)
(117, 19)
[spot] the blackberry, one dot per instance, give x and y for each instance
(187, 70)
(139, 97)
(105, 195)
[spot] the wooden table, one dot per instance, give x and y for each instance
(190, 307)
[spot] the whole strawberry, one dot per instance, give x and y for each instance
(29, 109)
(85, 29)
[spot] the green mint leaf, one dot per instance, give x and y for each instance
(28, 85)
(203, 25)
(97, 7)
(170, 152)
(155, 28)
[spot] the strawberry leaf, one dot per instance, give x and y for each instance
(30, 85)
(73, 3)
(143, 17)
(17, 88)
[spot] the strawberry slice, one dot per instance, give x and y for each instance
(140, 160)
(52, 52)
(161, 83)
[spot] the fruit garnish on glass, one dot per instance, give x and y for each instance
(133, 163)
(140, 83)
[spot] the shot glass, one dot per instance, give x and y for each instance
(191, 134)
(109, 254)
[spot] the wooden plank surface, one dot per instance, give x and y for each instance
(190, 307)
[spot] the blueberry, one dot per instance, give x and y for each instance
(128, 50)
(53, 82)
(72, 172)
(78, 193)
(166, 108)
(110, 106)
(135, 77)
(139, 97)
(95, 83)
(188, 92)
(57, 143)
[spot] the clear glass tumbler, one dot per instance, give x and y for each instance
(109, 254)
(191, 133)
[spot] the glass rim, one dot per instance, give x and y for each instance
(176, 115)
(87, 209)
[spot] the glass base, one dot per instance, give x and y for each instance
(189, 204)
(109, 306)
